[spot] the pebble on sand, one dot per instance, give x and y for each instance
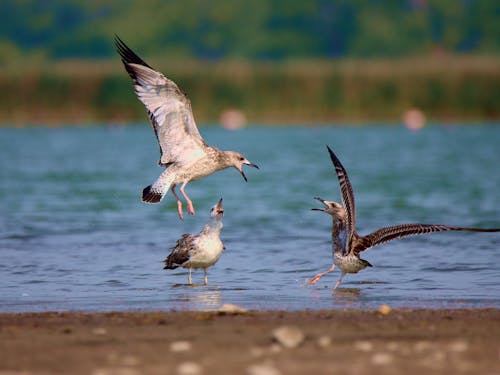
(363, 346)
(384, 309)
(324, 341)
(264, 369)
(229, 308)
(288, 336)
(99, 331)
(180, 346)
(382, 358)
(458, 346)
(189, 368)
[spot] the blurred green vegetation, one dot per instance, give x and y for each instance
(445, 89)
(276, 60)
(260, 29)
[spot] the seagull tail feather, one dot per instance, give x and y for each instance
(170, 266)
(154, 193)
(151, 196)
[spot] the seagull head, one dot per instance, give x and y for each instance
(217, 211)
(237, 161)
(332, 208)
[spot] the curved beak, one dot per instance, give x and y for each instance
(219, 208)
(246, 162)
(243, 174)
(322, 201)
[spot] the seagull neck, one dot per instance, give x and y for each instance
(224, 158)
(214, 226)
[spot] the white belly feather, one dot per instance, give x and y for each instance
(349, 263)
(208, 251)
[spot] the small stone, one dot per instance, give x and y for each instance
(382, 359)
(189, 368)
(364, 346)
(229, 308)
(288, 336)
(99, 331)
(264, 369)
(458, 346)
(384, 309)
(324, 341)
(180, 346)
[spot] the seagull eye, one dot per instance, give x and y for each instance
(241, 158)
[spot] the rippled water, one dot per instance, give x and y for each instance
(75, 236)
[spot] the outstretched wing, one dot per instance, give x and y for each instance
(347, 196)
(181, 252)
(405, 230)
(168, 107)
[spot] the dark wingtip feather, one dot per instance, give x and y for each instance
(150, 196)
(169, 266)
(334, 157)
(127, 55)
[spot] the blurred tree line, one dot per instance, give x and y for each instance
(280, 61)
(257, 29)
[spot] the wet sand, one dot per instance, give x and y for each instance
(343, 342)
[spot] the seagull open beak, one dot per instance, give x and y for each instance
(219, 209)
(322, 201)
(246, 162)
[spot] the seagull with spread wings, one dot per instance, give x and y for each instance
(184, 153)
(347, 244)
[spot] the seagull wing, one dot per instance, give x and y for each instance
(181, 252)
(405, 230)
(347, 197)
(168, 108)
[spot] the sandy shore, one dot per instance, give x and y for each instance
(343, 342)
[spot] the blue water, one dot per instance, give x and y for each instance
(75, 236)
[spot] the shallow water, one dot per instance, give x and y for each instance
(75, 236)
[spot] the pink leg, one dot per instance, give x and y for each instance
(316, 278)
(338, 281)
(190, 208)
(179, 203)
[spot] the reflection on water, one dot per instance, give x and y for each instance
(200, 297)
(75, 236)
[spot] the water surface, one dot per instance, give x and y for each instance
(75, 236)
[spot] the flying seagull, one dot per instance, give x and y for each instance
(199, 251)
(347, 244)
(183, 152)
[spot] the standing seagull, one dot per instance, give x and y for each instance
(199, 251)
(183, 151)
(347, 244)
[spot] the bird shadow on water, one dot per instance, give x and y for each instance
(346, 291)
(346, 297)
(186, 285)
(196, 298)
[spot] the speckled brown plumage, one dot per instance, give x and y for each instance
(183, 152)
(347, 244)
